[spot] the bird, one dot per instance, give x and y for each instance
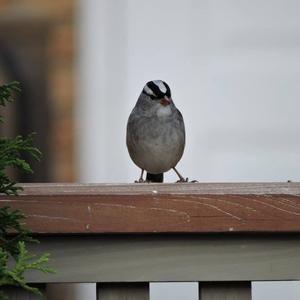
(155, 134)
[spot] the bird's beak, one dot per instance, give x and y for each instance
(165, 101)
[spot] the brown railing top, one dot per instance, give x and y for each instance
(159, 208)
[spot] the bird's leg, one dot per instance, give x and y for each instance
(141, 180)
(181, 179)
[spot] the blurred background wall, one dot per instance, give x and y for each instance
(233, 68)
(37, 49)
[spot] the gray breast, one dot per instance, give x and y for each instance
(156, 144)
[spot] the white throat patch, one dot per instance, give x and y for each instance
(164, 111)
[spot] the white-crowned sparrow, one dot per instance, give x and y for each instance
(155, 132)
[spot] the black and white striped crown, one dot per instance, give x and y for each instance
(157, 89)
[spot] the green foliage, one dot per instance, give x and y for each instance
(3, 296)
(14, 257)
(11, 221)
(14, 275)
(13, 249)
(11, 150)
(6, 92)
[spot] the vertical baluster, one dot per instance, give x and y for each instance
(225, 291)
(71, 291)
(123, 291)
(16, 293)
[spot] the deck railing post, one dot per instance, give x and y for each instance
(225, 290)
(71, 291)
(17, 293)
(123, 291)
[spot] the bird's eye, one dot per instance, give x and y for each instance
(156, 97)
(153, 96)
(159, 96)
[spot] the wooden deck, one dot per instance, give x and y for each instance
(160, 208)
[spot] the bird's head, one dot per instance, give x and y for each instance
(158, 91)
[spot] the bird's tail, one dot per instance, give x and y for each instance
(155, 177)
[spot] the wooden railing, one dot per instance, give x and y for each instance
(124, 236)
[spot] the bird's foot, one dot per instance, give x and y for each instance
(183, 180)
(141, 180)
(186, 180)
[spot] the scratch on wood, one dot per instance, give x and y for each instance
(287, 201)
(89, 209)
(231, 203)
(114, 205)
(212, 206)
(278, 208)
(19, 200)
(178, 212)
(22, 201)
(49, 217)
(287, 204)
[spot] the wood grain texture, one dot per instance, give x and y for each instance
(225, 291)
(48, 189)
(123, 291)
(159, 258)
(159, 208)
